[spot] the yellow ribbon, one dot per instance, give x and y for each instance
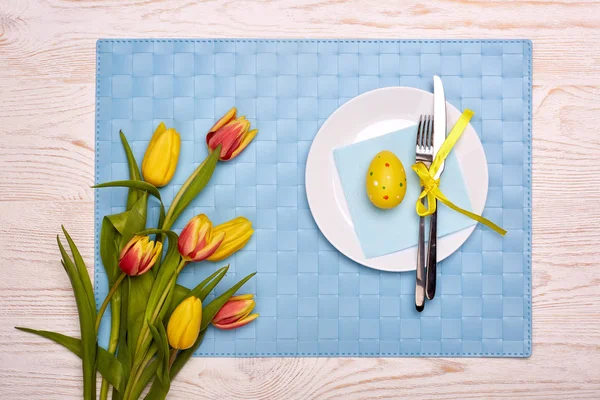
(431, 190)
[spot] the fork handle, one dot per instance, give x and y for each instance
(432, 257)
(420, 285)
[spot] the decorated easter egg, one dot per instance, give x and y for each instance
(386, 180)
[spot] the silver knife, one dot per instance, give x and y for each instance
(439, 135)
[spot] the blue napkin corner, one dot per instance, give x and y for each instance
(380, 231)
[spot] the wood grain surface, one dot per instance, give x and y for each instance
(47, 76)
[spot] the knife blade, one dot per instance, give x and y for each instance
(439, 135)
(439, 119)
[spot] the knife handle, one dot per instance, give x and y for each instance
(420, 281)
(432, 257)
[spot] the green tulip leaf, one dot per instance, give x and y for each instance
(141, 185)
(136, 220)
(123, 354)
(109, 249)
(157, 390)
(200, 291)
(212, 308)
(209, 283)
(139, 291)
(192, 187)
(159, 297)
(107, 364)
(118, 221)
(86, 324)
(166, 273)
(83, 274)
(134, 172)
(162, 343)
(147, 375)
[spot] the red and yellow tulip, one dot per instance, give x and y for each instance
(139, 255)
(233, 134)
(236, 312)
(197, 241)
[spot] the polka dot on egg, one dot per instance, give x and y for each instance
(385, 197)
(387, 164)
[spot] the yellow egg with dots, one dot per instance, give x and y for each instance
(386, 180)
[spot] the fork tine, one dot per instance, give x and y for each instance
(425, 129)
(419, 131)
(424, 135)
(430, 133)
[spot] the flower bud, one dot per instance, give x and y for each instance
(232, 134)
(139, 255)
(197, 241)
(184, 324)
(162, 154)
(236, 312)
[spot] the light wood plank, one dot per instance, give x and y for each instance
(47, 75)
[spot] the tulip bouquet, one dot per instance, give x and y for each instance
(156, 324)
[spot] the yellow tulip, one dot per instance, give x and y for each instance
(162, 154)
(238, 232)
(184, 324)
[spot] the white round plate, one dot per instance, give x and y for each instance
(369, 115)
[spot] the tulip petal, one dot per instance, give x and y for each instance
(242, 297)
(238, 233)
(233, 310)
(238, 323)
(129, 245)
(245, 142)
(152, 258)
(129, 263)
(228, 137)
(188, 238)
(209, 249)
(243, 130)
(225, 119)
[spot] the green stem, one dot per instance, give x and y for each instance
(172, 358)
(137, 369)
(146, 330)
(167, 221)
(138, 373)
(107, 300)
(115, 326)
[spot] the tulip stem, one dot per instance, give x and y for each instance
(109, 296)
(131, 385)
(145, 331)
(172, 358)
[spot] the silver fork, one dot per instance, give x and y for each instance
(424, 154)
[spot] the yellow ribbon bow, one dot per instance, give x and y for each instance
(431, 189)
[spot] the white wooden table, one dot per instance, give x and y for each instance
(47, 76)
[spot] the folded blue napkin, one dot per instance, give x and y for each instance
(380, 231)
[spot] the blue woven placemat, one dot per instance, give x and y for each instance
(313, 301)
